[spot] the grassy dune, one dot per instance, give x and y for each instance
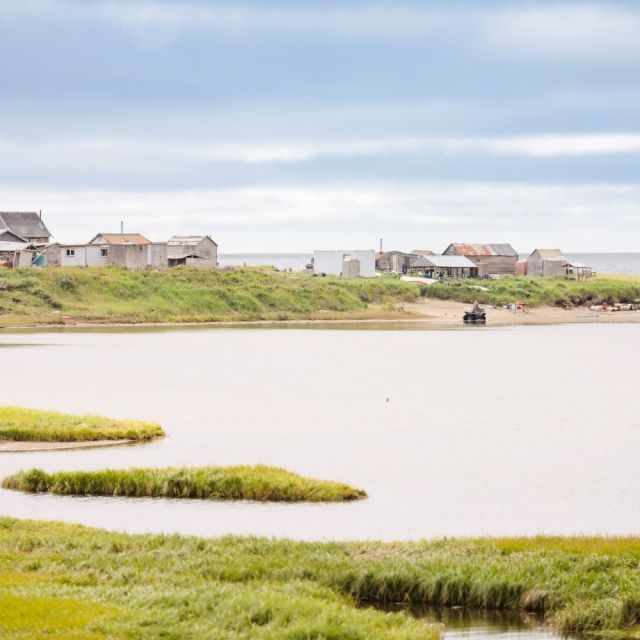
(112, 294)
(94, 584)
(49, 426)
(538, 291)
(213, 483)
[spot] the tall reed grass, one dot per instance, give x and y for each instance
(262, 483)
(158, 586)
(49, 426)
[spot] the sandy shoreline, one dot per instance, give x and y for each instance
(428, 311)
(446, 312)
(22, 446)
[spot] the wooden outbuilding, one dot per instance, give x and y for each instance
(549, 263)
(192, 251)
(498, 259)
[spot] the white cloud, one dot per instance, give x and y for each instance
(577, 30)
(122, 154)
(300, 217)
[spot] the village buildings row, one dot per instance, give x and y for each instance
(25, 241)
(458, 260)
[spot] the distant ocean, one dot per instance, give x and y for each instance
(617, 263)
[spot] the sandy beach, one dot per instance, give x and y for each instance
(444, 312)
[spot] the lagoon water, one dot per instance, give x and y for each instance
(483, 431)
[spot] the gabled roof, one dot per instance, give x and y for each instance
(444, 262)
(494, 249)
(177, 241)
(423, 252)
(26, 224)
(550, 254)
(121, 238)
(10, 236)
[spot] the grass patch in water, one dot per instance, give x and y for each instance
(262, 483)
(49, 426)
(245, 587)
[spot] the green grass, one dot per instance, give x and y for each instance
(213, 483)
(113, 294)
(539, 291)
(49, 426)
(156, 586)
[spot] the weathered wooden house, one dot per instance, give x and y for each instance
(25, 226)
(498, 259)
(444, 267)
(192, 251)
(549, 263)
(394, 261)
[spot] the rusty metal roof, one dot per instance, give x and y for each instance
(494, 249)
(121, 238)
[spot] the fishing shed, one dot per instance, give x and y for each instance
(497, 259)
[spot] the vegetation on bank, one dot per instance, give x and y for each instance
(73, 582)
(262, 483)
(539, 291)
(49, 426)
(114, 294)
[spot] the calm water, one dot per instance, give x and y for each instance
(606, 263)
(518, 430)
(460, 624)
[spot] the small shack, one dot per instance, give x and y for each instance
(577, 271)
(444, 267)
(192, 251)
(497, 259)
(16, 254)
(548, 263)
(351, 268)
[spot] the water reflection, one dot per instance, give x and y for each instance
(462, 622)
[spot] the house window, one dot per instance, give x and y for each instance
(70, 253)
(104, 252)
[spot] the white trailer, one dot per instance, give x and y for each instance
(330, 262)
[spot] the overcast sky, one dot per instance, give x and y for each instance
(289, 126)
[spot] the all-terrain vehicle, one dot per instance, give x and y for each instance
(475, 316)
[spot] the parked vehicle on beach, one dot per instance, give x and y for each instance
(475, 316)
